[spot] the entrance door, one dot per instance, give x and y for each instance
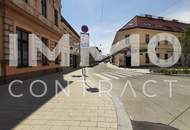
(74, 61)
(128, 61)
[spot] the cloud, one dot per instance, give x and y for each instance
(103, 34)
(183, 16)
(179, 10)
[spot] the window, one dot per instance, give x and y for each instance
(166, 42)
(180, 38)
(44, 8)
(130, 24)
(147, 38)
(56, 17)
(57, 59)
(147, 24)
(158, 55)
(147, 58)
(158, 40)
(158, 26)
(179, 61)
(26, 1)
(22, 48)
(127, 38)
(44, 58)
(166, 56)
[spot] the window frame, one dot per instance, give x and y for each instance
(147, 38)
(57, 58)
(127, 38)
(44, 58)
(26, 1)
(166, 56)
(44, 8)
(21, 49)
(56, 17)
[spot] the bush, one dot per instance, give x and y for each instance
(170, 71)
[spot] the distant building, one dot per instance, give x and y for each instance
(92, 61)
(147, 26)
(74, 43)
(40, 17)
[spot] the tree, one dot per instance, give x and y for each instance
(185, 42)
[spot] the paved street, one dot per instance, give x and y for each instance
(149, 113)
(56, 112)
(94, 112)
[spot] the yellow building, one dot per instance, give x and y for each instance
(147, 26)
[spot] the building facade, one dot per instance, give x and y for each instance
(74, 43)
(24, 17)
(147, 26)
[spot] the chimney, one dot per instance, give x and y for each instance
(161, 18)
(148, 15)
(175, 20)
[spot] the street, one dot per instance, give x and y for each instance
(81, 65)
(92, 111)
(157, 112)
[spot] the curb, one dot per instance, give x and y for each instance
(142, 71)
(124, 122)
(182, 75)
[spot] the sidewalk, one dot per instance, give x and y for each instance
(76, 112)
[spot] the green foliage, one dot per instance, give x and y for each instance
(170, 71)
(185, 42)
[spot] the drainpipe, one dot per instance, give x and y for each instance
(2, 58)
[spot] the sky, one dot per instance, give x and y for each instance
(105, 17)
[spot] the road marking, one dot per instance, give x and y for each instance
(111, 76)
(102, 77)
(124, 74)
(121, 76)
(136, 74)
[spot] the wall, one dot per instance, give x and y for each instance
(74, 44)
(1, 35)
(162, 49)
(16, 17)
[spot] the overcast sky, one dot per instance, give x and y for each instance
(105, 17)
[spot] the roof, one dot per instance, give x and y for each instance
(68, 25)
(155, 23)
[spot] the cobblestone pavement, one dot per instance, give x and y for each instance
(74, 112)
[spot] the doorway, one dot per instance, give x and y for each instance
(74, 61)
(128, 61)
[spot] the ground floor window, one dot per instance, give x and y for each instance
(23, 42)
(158, 55)
(44, 58)
(57, 59)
